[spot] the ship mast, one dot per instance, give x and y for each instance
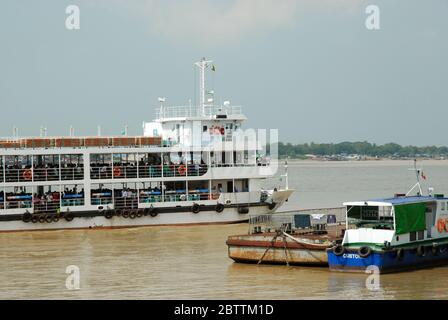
(417, 175)
(202, 65)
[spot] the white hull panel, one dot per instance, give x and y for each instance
(229, 215)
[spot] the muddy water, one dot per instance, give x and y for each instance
(192, 262)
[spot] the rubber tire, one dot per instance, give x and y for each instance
(55, 219)
(139, 214)
(68, 217)
(195, 208)
(41, 219)
(219, 208)
(108, 214)
(34, 219)
(338, 250)
(364, 252)
(26, 217)
(132, 215)
(125, 214)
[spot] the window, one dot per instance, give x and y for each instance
(412, 236)
(420, 235)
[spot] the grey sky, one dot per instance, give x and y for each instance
(307, 67)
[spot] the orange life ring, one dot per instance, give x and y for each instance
(182, 170)
(27, 175)
(446, 225)
(441, 225)
(117, 172)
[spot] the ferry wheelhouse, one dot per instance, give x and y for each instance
(393, 234)
(186, 168)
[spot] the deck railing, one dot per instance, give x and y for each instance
(195, 111)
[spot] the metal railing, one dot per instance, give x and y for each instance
(47, 206)
(147, 171)
(41, 174)
(196, 111)
(289, 219)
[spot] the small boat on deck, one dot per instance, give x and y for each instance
(291, 239)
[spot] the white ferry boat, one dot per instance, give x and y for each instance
(188, 167)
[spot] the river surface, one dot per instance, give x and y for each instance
(192, 262)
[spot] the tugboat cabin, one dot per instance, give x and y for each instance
(396, 221)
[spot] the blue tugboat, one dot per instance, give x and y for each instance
(394, 234)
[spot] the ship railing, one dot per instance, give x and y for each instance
(76, 173)
(124, 171)
(150, 196)
(296, 219)
(72, 202)
(101, 172)
(126, 202)
(18, 174)
(195, 111)
(46, 174)
(17, 203)
(46, 206)
(101, 201)
(147, 171)
(175, 195)
(41, 174)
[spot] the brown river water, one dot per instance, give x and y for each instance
(192, 262)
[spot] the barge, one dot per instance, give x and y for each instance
(290, 239)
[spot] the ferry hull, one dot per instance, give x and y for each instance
(388, 261)
(91, 221)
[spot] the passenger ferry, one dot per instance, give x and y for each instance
(393, 234)
(188, 167)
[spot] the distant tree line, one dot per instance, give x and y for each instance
(359, 148)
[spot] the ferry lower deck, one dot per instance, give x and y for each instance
(107, 187)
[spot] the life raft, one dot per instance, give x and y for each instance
(27, 175)
(182, 170)
(117, 172)
(27, 217)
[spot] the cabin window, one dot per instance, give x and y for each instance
(377, 217)
(442, 205)
(412, 236)
(420, 235)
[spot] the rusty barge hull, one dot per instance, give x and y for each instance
(262, 249)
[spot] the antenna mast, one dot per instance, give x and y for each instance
(417, 175)
(202, 65)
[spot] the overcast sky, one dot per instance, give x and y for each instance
(310, 68)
